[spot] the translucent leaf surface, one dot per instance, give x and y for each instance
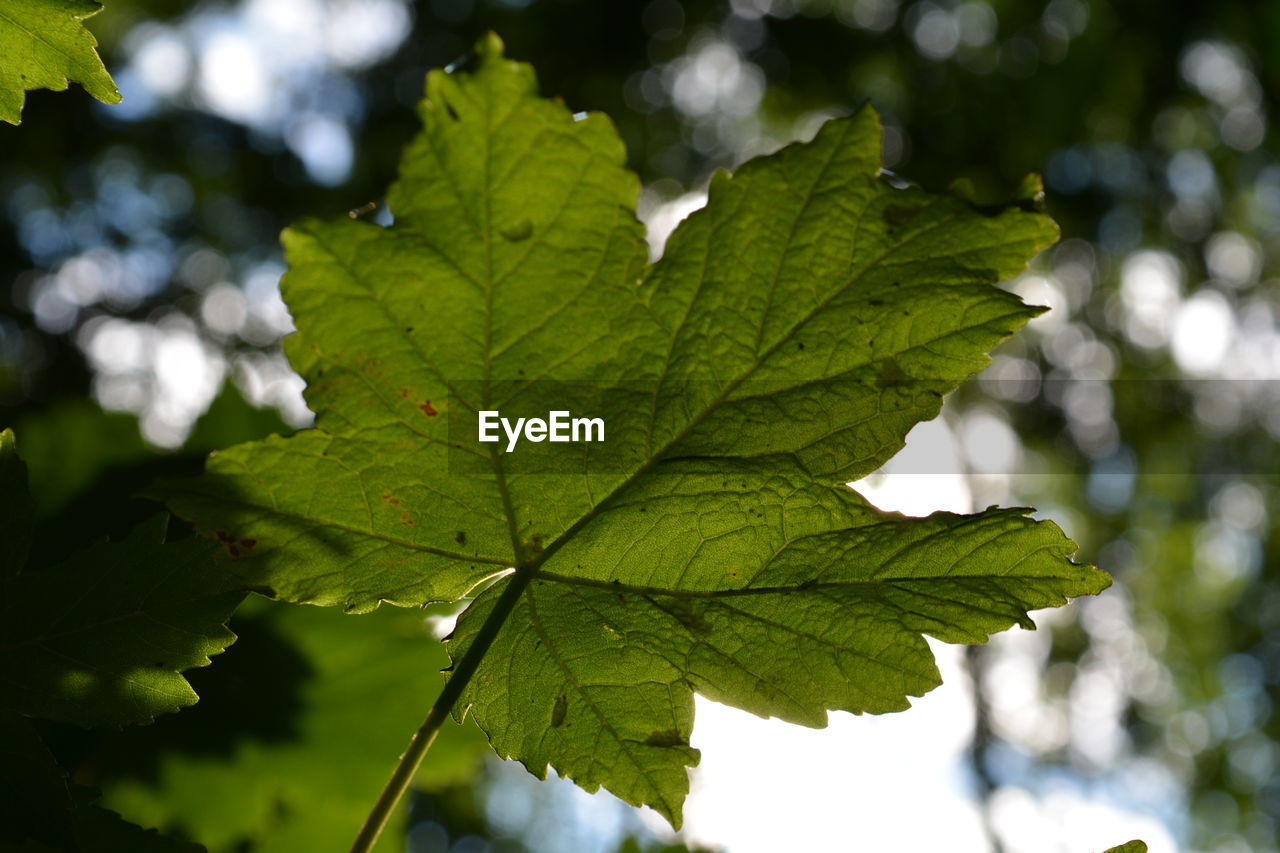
(792, 333)
(44, 45)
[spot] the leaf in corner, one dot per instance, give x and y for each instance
(101, 639)
(791, 335)
(44, 45)
(17, 515)
(349, 691)
(41, 809)
(1134, 846)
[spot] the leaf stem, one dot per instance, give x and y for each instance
(422, 739)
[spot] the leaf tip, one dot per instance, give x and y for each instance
(1134, 846)
(490, 46)
(964, 188)
(1031, 189)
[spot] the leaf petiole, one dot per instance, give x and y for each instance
(407, 766)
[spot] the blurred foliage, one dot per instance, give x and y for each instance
(293, 732)
(88, 465)
(135, 233)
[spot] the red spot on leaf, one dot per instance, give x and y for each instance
(429, 410)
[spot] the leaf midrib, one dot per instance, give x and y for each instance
(636, 589)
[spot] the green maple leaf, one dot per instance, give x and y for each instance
(44, 45)
(116, 625)
(790, 336)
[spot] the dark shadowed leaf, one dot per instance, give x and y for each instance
(42, 810)
(117, 625)
(17, 515)
(361, 684)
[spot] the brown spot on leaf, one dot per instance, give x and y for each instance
(670, 737)
(461, 538)
(891, 374)
(429, 410)
(224, 536)
(535, 543)
(901, 214)
(559, 710)
(248, 544)
(689, 614)
(405, 519)
(389, 498)
(235, 552)
(518, 231)
(404, 393)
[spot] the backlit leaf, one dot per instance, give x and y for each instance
(44, 45)
(790, 336)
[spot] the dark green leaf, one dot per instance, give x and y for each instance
(363, 686)
(16, 512)
(42, 810)
(101, 639)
